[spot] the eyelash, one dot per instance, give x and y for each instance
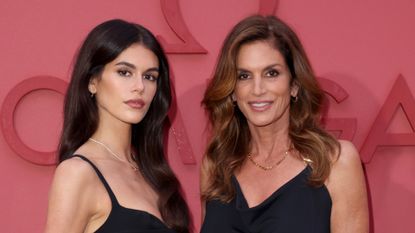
(243, 76)
(150, 77)
(276, 73)
(269, 73)
(124, 73)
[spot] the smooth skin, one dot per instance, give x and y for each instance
(78, 201)
(262, 92)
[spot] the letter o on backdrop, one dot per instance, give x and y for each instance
(7, 117)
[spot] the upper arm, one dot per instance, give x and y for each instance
(70, 197)
(347, 188)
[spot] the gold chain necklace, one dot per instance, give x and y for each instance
(113, 153)
(267, 168)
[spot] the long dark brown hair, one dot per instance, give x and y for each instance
(230, 140)
(102, 45)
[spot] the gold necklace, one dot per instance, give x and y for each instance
(113, 153)
(267, 168)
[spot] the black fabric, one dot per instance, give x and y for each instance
(125, 220)
(295, 207)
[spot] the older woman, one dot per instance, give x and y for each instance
(269, 166)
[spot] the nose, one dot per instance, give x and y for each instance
(258, 86)
(139, 85)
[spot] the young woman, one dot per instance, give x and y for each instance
(269, 166)
(113, 176)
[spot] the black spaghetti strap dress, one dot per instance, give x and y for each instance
(126, 220)
(295, 207)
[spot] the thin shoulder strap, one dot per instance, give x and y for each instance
(101, 177)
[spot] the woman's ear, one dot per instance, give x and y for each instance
(92, 86)
(233, 98)
(294, 89)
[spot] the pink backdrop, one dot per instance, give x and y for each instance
(362, 46)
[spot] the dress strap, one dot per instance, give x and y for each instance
(101, 177)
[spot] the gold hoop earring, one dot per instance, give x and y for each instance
(294, 99)
(233, 100)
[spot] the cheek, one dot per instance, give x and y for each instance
(151, 91)
(114, 91)
(109, 92)
(110, 88)
(108, 83)
(240, 91)
(281, 89)
(283, 98)
(282, 92)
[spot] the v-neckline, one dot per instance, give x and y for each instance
(242, 203)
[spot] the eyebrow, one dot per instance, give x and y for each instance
(125, 64)
(132, 66)
(266, 68)
(154, 69)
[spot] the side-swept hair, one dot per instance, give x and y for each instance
(230, 140)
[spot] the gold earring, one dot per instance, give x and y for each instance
(294, 98)
(233, 100)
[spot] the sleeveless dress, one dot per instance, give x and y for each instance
(126, 220)
(295, 207)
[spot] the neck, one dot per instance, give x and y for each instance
(116, 135)
(270, 139)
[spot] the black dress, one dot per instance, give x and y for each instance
(295, 207)
(126, 220)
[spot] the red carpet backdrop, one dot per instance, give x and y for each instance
(362, 51)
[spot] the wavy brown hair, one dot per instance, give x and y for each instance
(230, 140)
(102, 45)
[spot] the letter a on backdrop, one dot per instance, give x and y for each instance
(400, 95)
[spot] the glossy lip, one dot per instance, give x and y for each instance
(135, 103)
(266, 104)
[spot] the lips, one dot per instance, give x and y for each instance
(260, 106)
(136, 103)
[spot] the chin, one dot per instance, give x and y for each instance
(261, 122)
(133, 119)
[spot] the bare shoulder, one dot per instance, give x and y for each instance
(71, 198)
(75, 167)
(347, 188)
(347, 166)
(74, 173)
(348, 156)
(73, 179)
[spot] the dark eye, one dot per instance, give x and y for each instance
(243, 76)
(272, 73)
(150, 77)
(124, 73)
